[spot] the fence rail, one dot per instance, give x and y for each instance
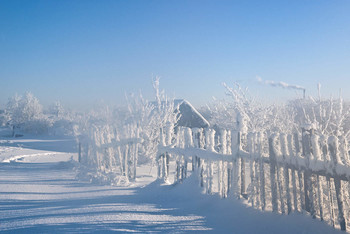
(283, 173)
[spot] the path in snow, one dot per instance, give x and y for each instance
(40, 194)
(45, 197)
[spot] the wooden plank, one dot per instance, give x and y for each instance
(79, 152)
(289, 201)
(334, 152)
(262, 172)
(308, 184)
(292, 154)
(273, 174)
(285, 154)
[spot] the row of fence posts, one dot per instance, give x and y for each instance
(107, 154)
(293, 187)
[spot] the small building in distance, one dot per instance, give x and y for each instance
(189, 116)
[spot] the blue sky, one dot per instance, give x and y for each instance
(81, 52)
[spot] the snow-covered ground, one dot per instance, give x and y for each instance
(40, 193)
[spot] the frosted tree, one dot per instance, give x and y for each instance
(11, 112)
(22, 110)
(124, 134)
(151, 118)
(57, 110)
(327, 116)
(249, 115)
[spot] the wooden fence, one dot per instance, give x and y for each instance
(282, 173)
(103, 151)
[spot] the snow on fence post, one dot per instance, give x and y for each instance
(195, 140)
(109, 150)
(325, 159)
(294, 184)
(335, 158)
(273, 162)
(297, 153)
(210, 143)
(79, 152)
(95, 145)
(179, 144)
(229, 165)
(222, 165)
(188, 142)
(284, 147)
(184, 169)
(126, 165)
(235, 149)
(160, 158)
(198, 163)
(168, 140)
(262, 171)
(119, 150)
(136, 155)
(280, 180)
(317, 157)
(241, 124)
(307, 132)
(99, 153)
(243, 185)
(250, 146)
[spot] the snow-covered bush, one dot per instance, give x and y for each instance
(61, 127)
(25, 113)
(37, 126)
(151, 117)
(327, 116)
(113, 141)
(247, 114)
(23, 109)
(244, 113)
(57, 110)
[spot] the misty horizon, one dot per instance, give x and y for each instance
(82, 52)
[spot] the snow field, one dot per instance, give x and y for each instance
(42, 194)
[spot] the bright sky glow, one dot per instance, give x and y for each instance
(81, 52)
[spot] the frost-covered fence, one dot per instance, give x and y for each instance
(108, 152)
(280, 172)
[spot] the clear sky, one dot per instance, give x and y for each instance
(83, 51)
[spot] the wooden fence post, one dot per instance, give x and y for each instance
(280, 190)
(229, 164)
(242, 162)
(317, 156)
(160, 158)
(334, 152)
(188, 142)
(273, 162)
(294, 184)
(251, 150)
(308, 183)
(262, 172)
(210, 175)
(222, 165)
(285, 153)
(79, 152)
(209, 145)
(136, 153)
(324, 149)
(178, 169)
(235, 148)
